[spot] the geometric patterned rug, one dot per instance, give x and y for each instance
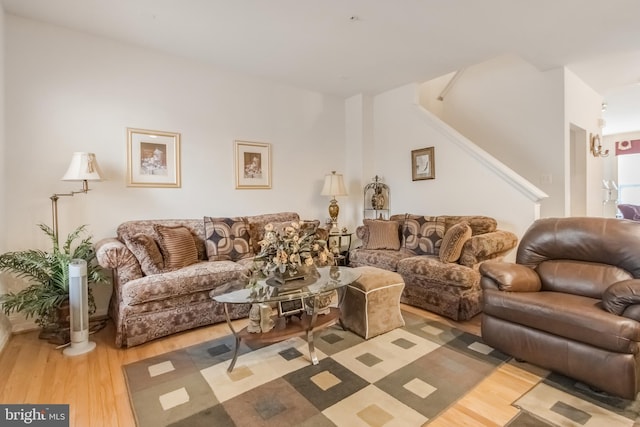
(405, 377)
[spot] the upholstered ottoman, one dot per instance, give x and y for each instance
(371, 304)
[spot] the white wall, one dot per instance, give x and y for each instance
(583, 108)
(462, 185)
(68, 91)
(5, 326)
(516, 113)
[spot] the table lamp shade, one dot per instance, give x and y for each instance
(333, 185)
(83, 167)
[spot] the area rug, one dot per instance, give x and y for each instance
(561, 401)
(405, 377)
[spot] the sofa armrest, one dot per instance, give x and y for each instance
(112, 253)
(509, 277)
(486, 246)
(621, 297)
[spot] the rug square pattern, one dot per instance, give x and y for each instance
(347, 383)
(357, 410)
(395, 349)
(171, 401)
(257, 367)
(272, 403)
(446, 373)
(560, 408)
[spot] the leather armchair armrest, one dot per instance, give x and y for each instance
(621, 296)
(510, 277)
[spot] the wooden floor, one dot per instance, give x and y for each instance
(33, 371)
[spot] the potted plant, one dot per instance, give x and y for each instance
(48, 275)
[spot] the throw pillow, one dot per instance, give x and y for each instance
(453, 241)
(423, 234)
(147, 252)
(177, 246)
(383, 234)
(227, 239)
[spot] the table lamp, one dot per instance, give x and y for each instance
(334, 186)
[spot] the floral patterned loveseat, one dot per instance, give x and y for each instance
(437, 256)
(164, 271)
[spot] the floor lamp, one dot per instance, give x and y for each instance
(83, 167)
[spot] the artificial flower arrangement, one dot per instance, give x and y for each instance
(290, 250)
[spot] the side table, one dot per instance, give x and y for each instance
(343, 257)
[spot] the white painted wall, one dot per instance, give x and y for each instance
(68, 91)
(583, 109)
(5, 326)
(516, 113)
(462, 185)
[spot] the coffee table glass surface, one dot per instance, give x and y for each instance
(307, 292)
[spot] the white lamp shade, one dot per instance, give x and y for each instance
(333, 185)
(83, 167)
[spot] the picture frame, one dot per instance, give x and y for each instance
(253, 165)
(423, 164)
(153, 158)
(290, 307)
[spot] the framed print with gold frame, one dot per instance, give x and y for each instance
(153, 158)
(423, 165)
(253, 165)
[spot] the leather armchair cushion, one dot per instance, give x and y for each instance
(619, 296)
(574, 317)
(511, 277)
(589, 279)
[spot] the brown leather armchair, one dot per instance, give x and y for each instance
(571, 302)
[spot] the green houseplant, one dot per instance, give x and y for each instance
(48, 275)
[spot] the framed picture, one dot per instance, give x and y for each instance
(290, 307)
(253, 165)
(153, 158)
(423, 164)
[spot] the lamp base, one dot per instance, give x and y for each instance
(78, 348)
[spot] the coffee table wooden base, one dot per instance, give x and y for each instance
(284, 329)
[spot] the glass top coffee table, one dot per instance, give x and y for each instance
(301, 296)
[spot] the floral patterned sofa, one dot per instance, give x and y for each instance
(164, 271)
(437, 256)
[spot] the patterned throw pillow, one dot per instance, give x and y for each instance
(177, 246)
(453, 241)
(227, 239)
(423, 234)
(147, 252)
(382, 234)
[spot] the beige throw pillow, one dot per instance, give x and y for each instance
(453, 241)
(382, 234)
(147, 252)
(177, 246)
(227, 239)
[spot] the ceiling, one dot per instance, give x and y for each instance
(346, 47)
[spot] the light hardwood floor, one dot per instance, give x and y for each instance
(33, 371)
